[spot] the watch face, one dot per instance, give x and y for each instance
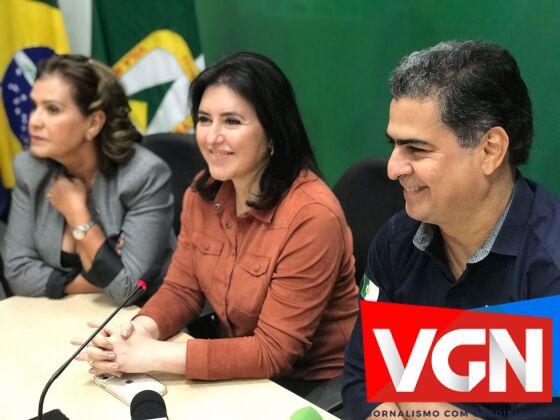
(78, 234)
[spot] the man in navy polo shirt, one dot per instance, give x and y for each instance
(474, 232)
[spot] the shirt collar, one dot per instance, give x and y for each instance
(495, 241)
(512, 235)
(225, 198)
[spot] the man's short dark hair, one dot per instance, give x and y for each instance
(477, 85)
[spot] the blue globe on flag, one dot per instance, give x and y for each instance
(16, 87)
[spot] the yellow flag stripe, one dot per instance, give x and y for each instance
(24, 24)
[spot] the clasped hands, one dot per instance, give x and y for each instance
(128, 350)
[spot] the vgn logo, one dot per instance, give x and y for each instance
(496, 354)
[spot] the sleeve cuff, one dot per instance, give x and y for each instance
(105, 267)
(57, 282)
(197, 359)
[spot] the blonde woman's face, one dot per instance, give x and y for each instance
(57, 128)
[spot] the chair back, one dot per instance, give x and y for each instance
(181, 153)
(368, 198)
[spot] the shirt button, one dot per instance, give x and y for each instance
(228, 224)
(217, 207)
(257, 267)
(205, 247)
(240, 224)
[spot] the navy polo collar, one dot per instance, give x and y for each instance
(506, 236)
(511, 236)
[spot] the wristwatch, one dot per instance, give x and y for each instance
(79, 232)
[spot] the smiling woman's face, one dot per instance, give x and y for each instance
(230, 136)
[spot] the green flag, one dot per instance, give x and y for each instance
(154, 49)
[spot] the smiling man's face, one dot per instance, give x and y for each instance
(442, 181)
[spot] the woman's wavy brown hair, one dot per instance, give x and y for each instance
(95, 88)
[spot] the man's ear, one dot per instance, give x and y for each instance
(96, 123)
(495, 144)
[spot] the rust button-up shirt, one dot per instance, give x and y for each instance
(281, 281)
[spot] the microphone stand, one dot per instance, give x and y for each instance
(140, 288)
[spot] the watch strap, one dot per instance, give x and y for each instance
(81, 230)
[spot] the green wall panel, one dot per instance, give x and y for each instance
(339, 54)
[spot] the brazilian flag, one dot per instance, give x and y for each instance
(30, 31)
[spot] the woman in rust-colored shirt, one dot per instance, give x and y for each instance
(262, 238)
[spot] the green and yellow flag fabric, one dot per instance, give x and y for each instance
(30, 31)
(154, 49)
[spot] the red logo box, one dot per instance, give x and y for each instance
(419, 353)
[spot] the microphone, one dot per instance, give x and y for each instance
(148, 405)
(138, 290)
(306, 413)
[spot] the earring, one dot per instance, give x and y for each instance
(271, 147)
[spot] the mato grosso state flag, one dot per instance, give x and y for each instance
(154, 49)
(30, 31)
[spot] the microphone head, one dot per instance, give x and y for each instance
(306, 413)
(146, 405)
